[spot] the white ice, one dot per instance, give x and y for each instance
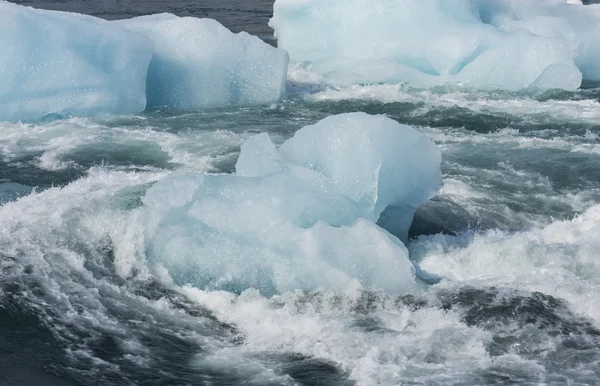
(496, 44)
(199, 63)
(301, 216)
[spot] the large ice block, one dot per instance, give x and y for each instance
(482, 44)
(68, 64)
(60, 64)
(299, 217)
(199, 63)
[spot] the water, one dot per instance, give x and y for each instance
(513, 234)
(237, 15)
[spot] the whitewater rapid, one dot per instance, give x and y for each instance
(132, 249)
(520, 227)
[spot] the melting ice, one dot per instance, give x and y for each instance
(497, 44)
(301, 216)
(199, 63)
(64, 63)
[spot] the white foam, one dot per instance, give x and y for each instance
(507, 105)
(59, 145)
(559, 259)
(428, 345)
(48, 230)
(509, 138)
(78, 244)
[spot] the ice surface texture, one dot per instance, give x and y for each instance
(71, 64)
(483, 44)
(199, 63)
(64, 63)
(301, 216)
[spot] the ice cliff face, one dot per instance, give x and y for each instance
(482, 44)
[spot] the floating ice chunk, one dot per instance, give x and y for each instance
(68, 64)
(199, 63)
(58, 63)
(301, 216)
(258, 157)
(372, 160)
(573, 23)
(496, 44)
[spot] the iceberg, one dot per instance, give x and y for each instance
(199, 63)
(480, 44)
(571, 22)
(62, 64)
(68, 64)
(301, 216)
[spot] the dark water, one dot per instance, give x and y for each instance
(237, 15)
(513, 234)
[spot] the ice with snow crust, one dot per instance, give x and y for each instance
(298, 217)
(481, 44)
(62, 64)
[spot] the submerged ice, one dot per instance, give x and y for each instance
(60, 63)
(301, 216)
(497, 44)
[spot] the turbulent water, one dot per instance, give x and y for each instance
(510, 243)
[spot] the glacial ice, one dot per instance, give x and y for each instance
(59, 64)
(576, 25)
(69, 64)
(298, 217)
(482, 44)
(199, 63)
